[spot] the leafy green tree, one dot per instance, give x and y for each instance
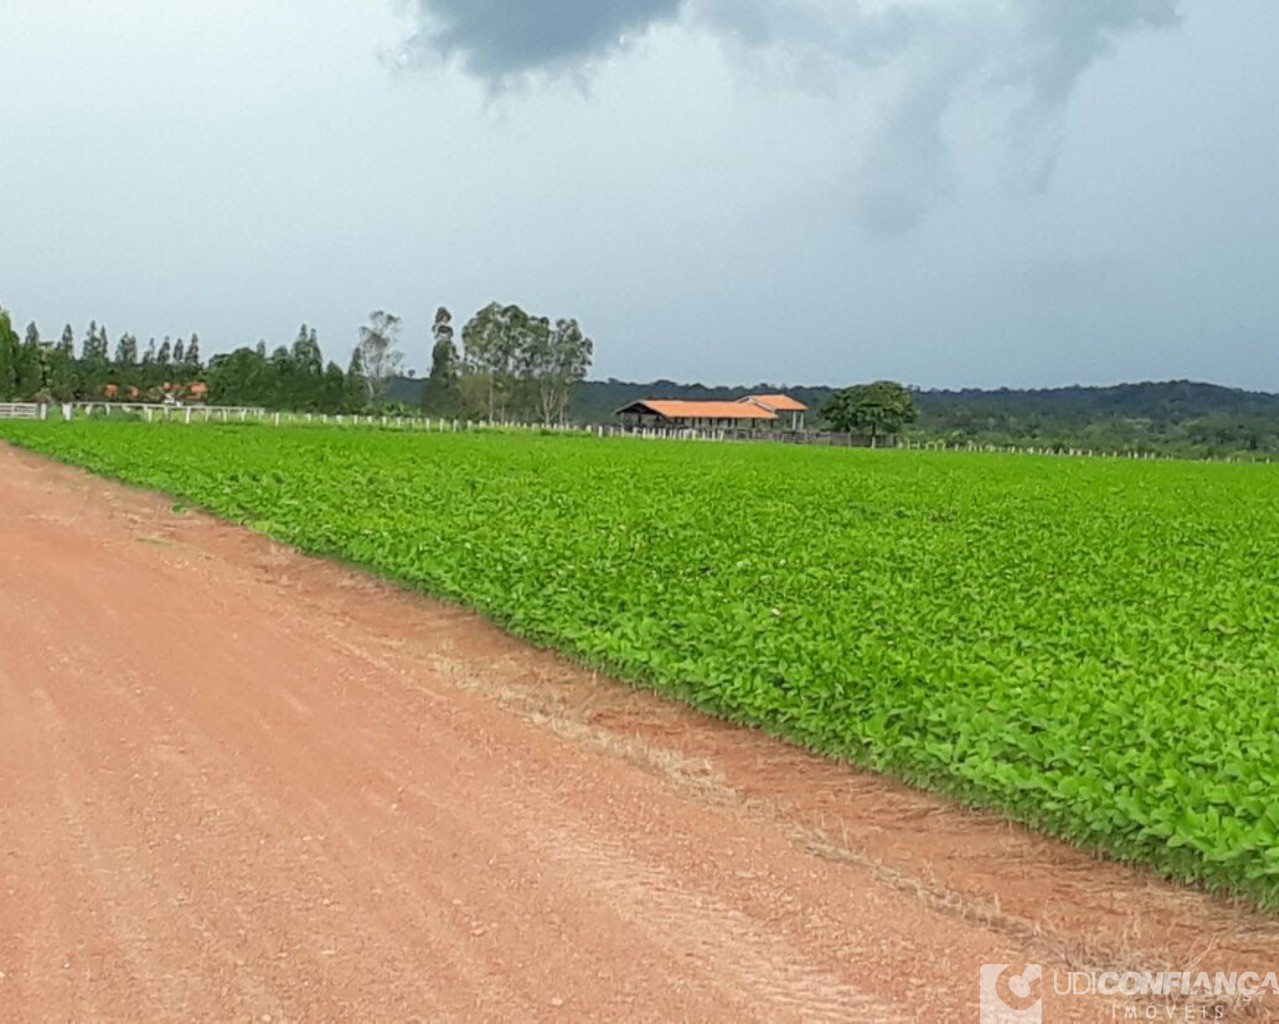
(64, 371)
(307, 383)
(95, 349)
(31, 382)
(242, 377)
(875, 410)
(192, 359)
(89, 344)
(164, 357)
(281, 387)
(441, 395)
(148, 372)
(60, 372)
(10, 357)
(354, 387)
(95, 361)
(179, 357)
(554, 360)
(126, 353)
(306, 352)
(491, 342)
(333, 389)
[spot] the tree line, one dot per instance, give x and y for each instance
(511, 365)
(36, 369)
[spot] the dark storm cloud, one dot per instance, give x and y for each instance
(1035, 51)
(498, 40)
(1064, 39)
(1053, 43)
(1059, 43)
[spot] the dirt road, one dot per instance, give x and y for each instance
(241, 784)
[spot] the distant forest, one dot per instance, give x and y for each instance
(1174, 417)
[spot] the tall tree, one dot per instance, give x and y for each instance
(491, 343)
(60, 373)
(440, 395)
(193, 354)
(126, 352)
(354, 386)
(306, 352)
(10, 356)
(148, 373)
(88, 347)
(164, 357)
(380, 357)
(874, 410)
(556, 362)
(95, 361)
(282, 380)
(333, 389)
(63, 369)
(179, 352)
(31, 383)
(306, 372)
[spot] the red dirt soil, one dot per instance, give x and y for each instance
(243, 784)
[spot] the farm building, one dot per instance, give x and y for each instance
(677, 415)
(783, 406)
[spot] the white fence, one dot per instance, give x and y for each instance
(156, 413)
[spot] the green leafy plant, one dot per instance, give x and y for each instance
(1089, 646)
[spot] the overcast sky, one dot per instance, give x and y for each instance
(946, 192)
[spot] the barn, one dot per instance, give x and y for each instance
(782, 406)
(674, 414)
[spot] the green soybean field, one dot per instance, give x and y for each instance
(1088, 646)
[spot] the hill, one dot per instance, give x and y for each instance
(1174, 417)
(1168, 417)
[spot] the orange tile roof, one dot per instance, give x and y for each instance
(777, 403)
(683, 410)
